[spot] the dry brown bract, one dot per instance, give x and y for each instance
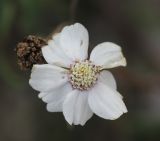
(29, 52)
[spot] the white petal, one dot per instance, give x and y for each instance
(55, 97)
(74, 41)
(76, 109)
(56, 105)
(107, 78)
(105, 102)
(56, 92)
(108, 55)
(54, 54)
(46, 77)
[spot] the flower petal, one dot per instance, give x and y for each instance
(76, 109)
(108, 55)
(56, 92)
(54, 54)
(74, 41)
(107, 78)
(57, 102)
(46, 77)
(105, 102)
(55, 97)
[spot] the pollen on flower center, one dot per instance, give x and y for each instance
(83, 74)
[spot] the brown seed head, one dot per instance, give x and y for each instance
(29, 52)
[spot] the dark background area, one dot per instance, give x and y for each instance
(133, 24)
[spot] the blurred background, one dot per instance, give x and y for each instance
(134, 25)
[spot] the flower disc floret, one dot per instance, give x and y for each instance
(83, 74)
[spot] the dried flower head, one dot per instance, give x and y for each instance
(29, 52)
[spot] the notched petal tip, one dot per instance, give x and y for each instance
(121, 114)
(76, 109)
(48, 108)
(108, 55)
(106, 103)
(124, 62)
(32, 84)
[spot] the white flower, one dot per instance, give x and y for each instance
(75, 85)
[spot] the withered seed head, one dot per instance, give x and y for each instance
(29, 52)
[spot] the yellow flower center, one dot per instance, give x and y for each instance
(83, 75)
